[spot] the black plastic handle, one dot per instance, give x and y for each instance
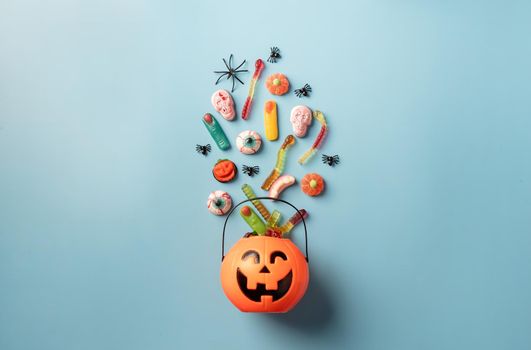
(269, 198)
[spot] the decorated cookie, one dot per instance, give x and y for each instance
(224, 170)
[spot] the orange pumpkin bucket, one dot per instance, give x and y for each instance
(264, 274)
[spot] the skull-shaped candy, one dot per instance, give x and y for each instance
(301, 118)
(224, 104)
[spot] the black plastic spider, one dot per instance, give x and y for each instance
(231, 72)
(203, 149)
(274, 55)
(251, 170)
(303, 91)
(330, 160)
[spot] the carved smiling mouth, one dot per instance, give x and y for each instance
(256, 294)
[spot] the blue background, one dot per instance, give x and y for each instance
(421, 241)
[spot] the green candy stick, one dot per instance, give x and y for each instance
(253, 220)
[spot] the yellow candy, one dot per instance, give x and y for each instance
(249, 193)
(281, 161)
(271, 120)
(273, 219)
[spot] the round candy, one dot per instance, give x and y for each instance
(277, 84)
(219, 202)
(224, 170)
(312, 184)
(249, 142)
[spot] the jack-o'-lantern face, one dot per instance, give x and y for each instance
(264, 274)
(224, 170)
(253, 286)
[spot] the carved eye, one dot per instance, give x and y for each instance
(277, 254)
(252, 253)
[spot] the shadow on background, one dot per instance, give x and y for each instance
(316, 313)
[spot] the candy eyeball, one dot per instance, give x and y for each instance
(224, 104)
(219, 202)
(300, 118)
(249, 142)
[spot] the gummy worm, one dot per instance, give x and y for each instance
(318, 141)
(281, 161)
(293, 221)
(259, 66)
(249, 193)
(274, 219)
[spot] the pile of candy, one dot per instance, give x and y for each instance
(249, 142)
